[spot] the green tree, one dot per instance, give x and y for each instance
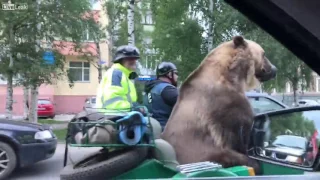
(222, 22)
(177, 36)
(293, 123)
(116, 12)
(25, 33)
(118, 28)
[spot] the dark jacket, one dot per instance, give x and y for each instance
(160, 98)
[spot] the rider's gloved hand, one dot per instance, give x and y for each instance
(139, 108)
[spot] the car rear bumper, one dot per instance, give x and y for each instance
(35, 152)
(45, 113)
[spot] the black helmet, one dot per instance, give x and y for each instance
(126, 51)
(165, 67)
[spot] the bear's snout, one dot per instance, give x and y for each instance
(273, 72)
(265, 75)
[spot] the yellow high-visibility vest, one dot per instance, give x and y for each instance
(116, 91)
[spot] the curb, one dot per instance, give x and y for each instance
(59, 126)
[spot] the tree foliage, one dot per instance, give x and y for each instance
(25, 34)
(59, 21)
(116, 12)
(181, 32)
(294, 123)
(118, 26)
(177, 36)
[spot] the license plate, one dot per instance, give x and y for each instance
(41, 108)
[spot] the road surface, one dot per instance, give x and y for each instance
(50, 169)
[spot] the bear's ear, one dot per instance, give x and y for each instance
(239, 41)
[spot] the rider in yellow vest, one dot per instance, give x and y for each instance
(116, 90)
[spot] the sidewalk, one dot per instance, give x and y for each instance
(60, 117)
(64, 117)
(59, 126)
(17, 118)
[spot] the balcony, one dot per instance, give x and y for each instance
(68, 48)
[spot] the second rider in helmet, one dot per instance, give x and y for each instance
(161, 94)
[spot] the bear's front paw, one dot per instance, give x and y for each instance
(255, 165)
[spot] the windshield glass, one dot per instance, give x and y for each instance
(290, 141)
(57, 56)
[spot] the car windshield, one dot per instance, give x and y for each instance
(290, 141)
(43, 101)
(55, 54)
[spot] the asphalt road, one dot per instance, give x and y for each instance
(50, 169)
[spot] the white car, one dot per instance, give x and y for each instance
(90, 103)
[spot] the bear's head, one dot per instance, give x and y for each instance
(244, 61)
(263, 69)
(240, 64)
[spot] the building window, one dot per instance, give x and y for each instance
(80, 71)
(88, 35)
(149, 59)
(147, 18)
(318, 84)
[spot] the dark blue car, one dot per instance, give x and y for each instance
(23, 144)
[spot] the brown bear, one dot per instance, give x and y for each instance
(212, 118)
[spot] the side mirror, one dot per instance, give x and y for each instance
(272, 143)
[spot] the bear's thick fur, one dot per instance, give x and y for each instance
(212, 118)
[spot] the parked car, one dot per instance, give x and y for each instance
(23, 144)
(262, 102)
(89, 103)
(308, 102)
(289, 148)
(46, 108)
